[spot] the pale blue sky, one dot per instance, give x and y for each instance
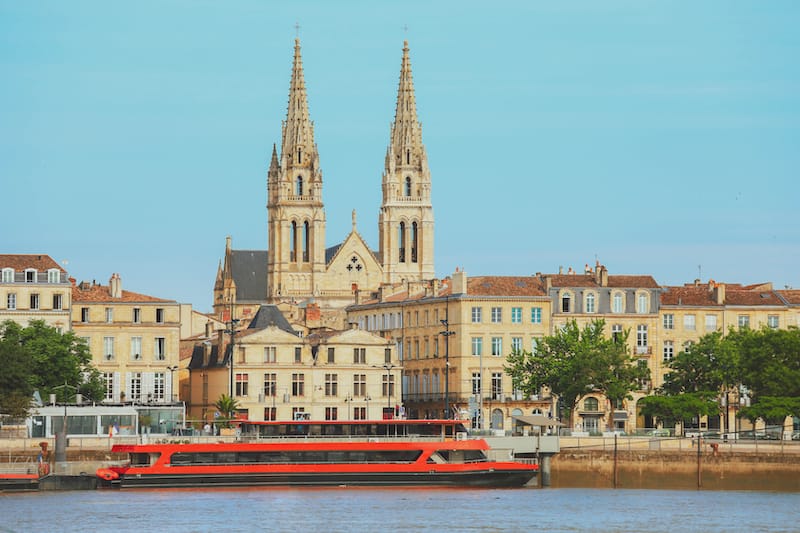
(657, 136)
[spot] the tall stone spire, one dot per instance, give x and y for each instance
(405, 223)
(297, 139)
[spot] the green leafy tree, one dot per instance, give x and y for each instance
(40, 358)
(773, 410)
(574, 362)
(671, 410)
(707, 366)
(769, 361)
(227, 407)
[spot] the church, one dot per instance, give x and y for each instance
(298, 268)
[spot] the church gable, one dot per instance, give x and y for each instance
(354, 264)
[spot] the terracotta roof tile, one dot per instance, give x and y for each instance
(752, 298)
(505, 286)
(102, 293)
(693, 295)
(791, 295)
(19, 262)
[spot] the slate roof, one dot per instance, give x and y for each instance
(615, 281)
(249, 271)
(270, 315)
(214, 360)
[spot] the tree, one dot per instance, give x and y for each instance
(39, 358)
(773, 410)
(709, 365)
(674, 409)
(227, 407)
(769, 361)
(574, 362)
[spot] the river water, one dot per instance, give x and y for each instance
(368, 509)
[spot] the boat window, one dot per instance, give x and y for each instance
(474, 456)
(226, 457)
(180, 459)
(436, 458)
(144, 459)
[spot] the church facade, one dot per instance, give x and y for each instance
(298, 267)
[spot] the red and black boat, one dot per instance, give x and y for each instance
(409, 460)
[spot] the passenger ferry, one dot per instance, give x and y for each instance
(362, 453)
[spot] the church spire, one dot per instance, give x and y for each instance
(297, 141)
(406, 135)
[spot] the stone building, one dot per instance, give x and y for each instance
(134, 340)
(34, 287)
(298, 266)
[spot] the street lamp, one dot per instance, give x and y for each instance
(232, 332)
(446, 333)
(172, 369)
(388, 367)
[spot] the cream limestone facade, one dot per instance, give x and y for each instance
(468, 325)
(34, 287)
(297, 266)
(277, 375)
(134, 340)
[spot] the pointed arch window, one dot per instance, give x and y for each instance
(293, 242)
(408, 186)
(401, 239)
(299, 186)
(414, 242)
(306, 233)
(299, 156)
(408, 157)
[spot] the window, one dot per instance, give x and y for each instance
(298, 384)
(159, 315)
(108, 347)
(711, 322)
(516, 315)
(306, 241)
(331, 384)
(669, 351)
(34, 300)
(331, 413)
(536, 315)
(408, 186)
(331, 355)
(270, 414)
(241, 384)
(299, 181)
(11, 301)
(617, 303)
(669, 321)
(160, 348)
(401, 240)
(387, 354)
(270, 354)
(84, 314)
(565, 303)
(388, 385)
(109, 314)
(642, 303)
(298, 354)
(497, 386)
(516, 344)
(8, 275)
(744, 321)
(108, 384)
(58, 302)
(135, 386)
(591, 404)
(497, 346)
(688, 322)
(616, 332)
(30, 276)
(497, 315)
(137, 315)
(641, 338)
(159, 386)
(477, 315)
(477, 345)
(534, 345)
(136, 347)
(772, 321)
(360, 355)
(590, 303)
(270, 385)
(359, 384)
(359, 413)
(414, 241)
(53, 275)
(293, 241)
(476, 383)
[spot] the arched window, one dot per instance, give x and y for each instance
(305, 241)
(299, 156)
(642, 303)
(401, 239)
(408, 186)
(617, 303)
(293, 242)
(565, 303)
(590, 303)
(591, 404)
(414, 242)
(299, 186)
(408, 157)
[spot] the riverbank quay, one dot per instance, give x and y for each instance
(676, 463)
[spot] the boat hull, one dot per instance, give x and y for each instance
(474, 478)
(17, 482)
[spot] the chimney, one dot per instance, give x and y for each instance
(601, 276)
(570, 271)
(548, 283)
(435, 287)
(560, 269)
(115, 286)
(209, 325)
(719, 293)
(459, 282)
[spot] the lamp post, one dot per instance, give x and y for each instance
(446, 333)
(366, 415)
(388, 367)
(348, 401)
(172, 370)
(232, 332)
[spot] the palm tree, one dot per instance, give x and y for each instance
(227, 407)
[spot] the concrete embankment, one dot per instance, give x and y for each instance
(668, 469)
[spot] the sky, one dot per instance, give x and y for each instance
(659, 138)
